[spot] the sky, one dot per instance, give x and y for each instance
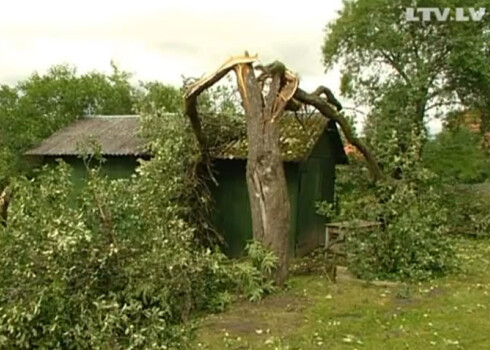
(164, 40)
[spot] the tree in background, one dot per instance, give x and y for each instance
(470, 73)
(154, 95)
(405, 70)
(457, 157)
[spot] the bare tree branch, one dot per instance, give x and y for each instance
(355, 110)
(190, 102)
(322, 90)
(329, 112)
(397, 67)
(441, 104)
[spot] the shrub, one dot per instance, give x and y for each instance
(470, 209)
(121, 267)
(412, 242)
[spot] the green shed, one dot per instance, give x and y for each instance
(311, 148)
(117, 137)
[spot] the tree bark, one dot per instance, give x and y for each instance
(190, 103)
(266, 181)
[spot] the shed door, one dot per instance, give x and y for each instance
(309, 223)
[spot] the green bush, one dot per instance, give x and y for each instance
(412, 242)
(470, 209)
(119, 267)
(457, 157)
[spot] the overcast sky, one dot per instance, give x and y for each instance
(163, 40)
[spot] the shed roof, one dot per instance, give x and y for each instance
(116, 136)
(119, 136)
(298, 136)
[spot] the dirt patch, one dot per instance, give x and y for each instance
(288, 303)
(236, 326)
(404, 301)
(436, 292)
(344, 275)
(276, 314)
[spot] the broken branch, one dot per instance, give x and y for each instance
(325, 107)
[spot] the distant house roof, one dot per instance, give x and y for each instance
(119, 135)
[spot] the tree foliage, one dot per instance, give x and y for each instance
(413, 241)
(406, 70)
(457, 157)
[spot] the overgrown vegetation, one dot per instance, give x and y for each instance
(470, 210)
(462, 165)
(412, 241)
(431, 199)
(407, 73)
(131, 264)
(122, 267)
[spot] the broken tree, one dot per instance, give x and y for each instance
(264, 99)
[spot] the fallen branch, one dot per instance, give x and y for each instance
(326, 108)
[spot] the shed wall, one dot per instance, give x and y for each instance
(232, 216)
(316, 183)
(114, 167)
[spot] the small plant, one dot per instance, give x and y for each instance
(253, 276)
(262, 259)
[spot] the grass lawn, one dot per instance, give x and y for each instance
(313, 313)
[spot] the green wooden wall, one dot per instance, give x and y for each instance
(316, 183)
(114, 167)
(232, 216)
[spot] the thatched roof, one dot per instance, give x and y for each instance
(118, 136)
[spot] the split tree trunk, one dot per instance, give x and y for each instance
(267, 188)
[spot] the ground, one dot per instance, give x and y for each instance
(314, 313)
